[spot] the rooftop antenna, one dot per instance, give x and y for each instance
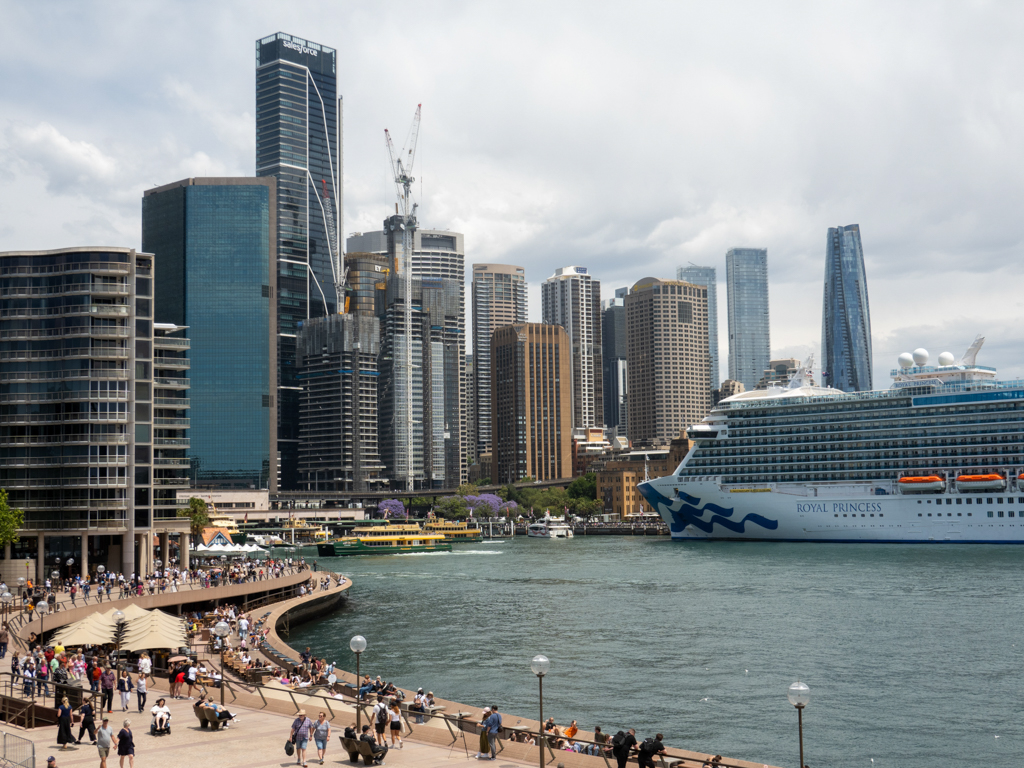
(401, 167)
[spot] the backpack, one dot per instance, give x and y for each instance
(648, 746)
(618, 738)
(382, 714)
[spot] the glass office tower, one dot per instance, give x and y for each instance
(706, 276)
(297, 142)
(845, 317)
(746, 276)
(213, 239)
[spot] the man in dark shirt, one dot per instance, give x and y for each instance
(648, 750)
(379, 750)
(623, 748)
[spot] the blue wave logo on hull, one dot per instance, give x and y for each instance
(685, 510)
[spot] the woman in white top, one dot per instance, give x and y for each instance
(145, 665)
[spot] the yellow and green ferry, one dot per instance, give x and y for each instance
(390, 539)
(455, 532)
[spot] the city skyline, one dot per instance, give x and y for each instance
(505, 165)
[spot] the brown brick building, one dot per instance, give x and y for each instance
(531, 403)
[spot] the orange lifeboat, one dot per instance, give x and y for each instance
(921, 484)
(991, 482)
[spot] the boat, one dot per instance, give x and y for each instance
(990, 482)
(455, 531)
(933, 458)
(549, 528)
(392, 544)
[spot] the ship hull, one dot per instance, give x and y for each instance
(703, 510)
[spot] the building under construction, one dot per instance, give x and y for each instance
(436, 456)
(338, 449)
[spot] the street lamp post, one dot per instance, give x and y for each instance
(799, 696)
(5, 601)
(222, 629)
(42, 608)
(358, 645)
(69, 563)
(22, 581)
(540, 666)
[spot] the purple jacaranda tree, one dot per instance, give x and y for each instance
(392, 508)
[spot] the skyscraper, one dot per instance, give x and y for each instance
(613, 361)
(531, 403)
(499, 298)
(365, 284)
(668, 364)
(706, 276)
(439, 255)
(215, 246)
(845, 316)
(746, 277)
(95, 410)
(297, 137)
(436, 459)
(338, 408)
(572, 299)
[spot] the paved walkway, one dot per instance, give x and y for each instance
(255, 740)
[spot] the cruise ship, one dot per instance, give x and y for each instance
(937, 457)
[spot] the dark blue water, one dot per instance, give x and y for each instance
(912, 653)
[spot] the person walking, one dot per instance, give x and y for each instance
(124, 687)
(88, 721)
(395, 716)
(5, 638)
(107, 683)
(141, 688)
(380, 719)
(493, 723)
(105, 739)
(64, 736)
(126, 744)
(321, 735)
(300, 736)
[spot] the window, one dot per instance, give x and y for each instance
(1000, 513)
(990, 513)
(959, 501)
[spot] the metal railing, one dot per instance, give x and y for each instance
(18, 752)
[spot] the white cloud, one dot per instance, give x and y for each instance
(70, 166)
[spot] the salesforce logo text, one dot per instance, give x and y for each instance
(299, 48)
(841, 506)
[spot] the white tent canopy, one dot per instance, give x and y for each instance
(228, 549)
(143, 630)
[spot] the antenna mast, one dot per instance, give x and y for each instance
(401, 167)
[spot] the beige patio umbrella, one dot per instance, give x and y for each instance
(92, 630)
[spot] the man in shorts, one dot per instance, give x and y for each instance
(105, 740)
(380, 719)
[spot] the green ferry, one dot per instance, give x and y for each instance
(385, 540)
(454, 531)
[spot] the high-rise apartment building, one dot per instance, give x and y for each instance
(845, 315)
(338, 410)
(437, 254)
(531, 403)
(571, 298)
(436, 459)
(499, 299)
(297, 139)
(706, 276)
(214, 241)
(668, 365)
(613, 360)
(746, 277)
(94, 410)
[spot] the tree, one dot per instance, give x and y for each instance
(483, 481)
(452, 507)
(392, 508)
(465, 489)
(584, 487)
(198, 519)
(486, 504)
(11, 520)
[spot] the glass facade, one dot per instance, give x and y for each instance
(613, 341)
(213, 240)
(845, 316)
(706, 276)
(297, 142)
(746, 276)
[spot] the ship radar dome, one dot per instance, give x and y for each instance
(946, 358)
(920, 356)
(906, 360)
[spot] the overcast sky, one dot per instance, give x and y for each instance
(629, 138)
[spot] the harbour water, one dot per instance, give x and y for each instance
(912, 652)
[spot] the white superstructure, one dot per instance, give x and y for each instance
(937, 457)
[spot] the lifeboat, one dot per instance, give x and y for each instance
(980, 482)
(922, 484)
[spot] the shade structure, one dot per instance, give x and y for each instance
(231, 550)
(151, 632)
(92, 630)
(143, 630)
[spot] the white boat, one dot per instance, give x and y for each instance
(549, 528)
(938, 457)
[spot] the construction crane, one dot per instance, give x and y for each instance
(401, 166)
